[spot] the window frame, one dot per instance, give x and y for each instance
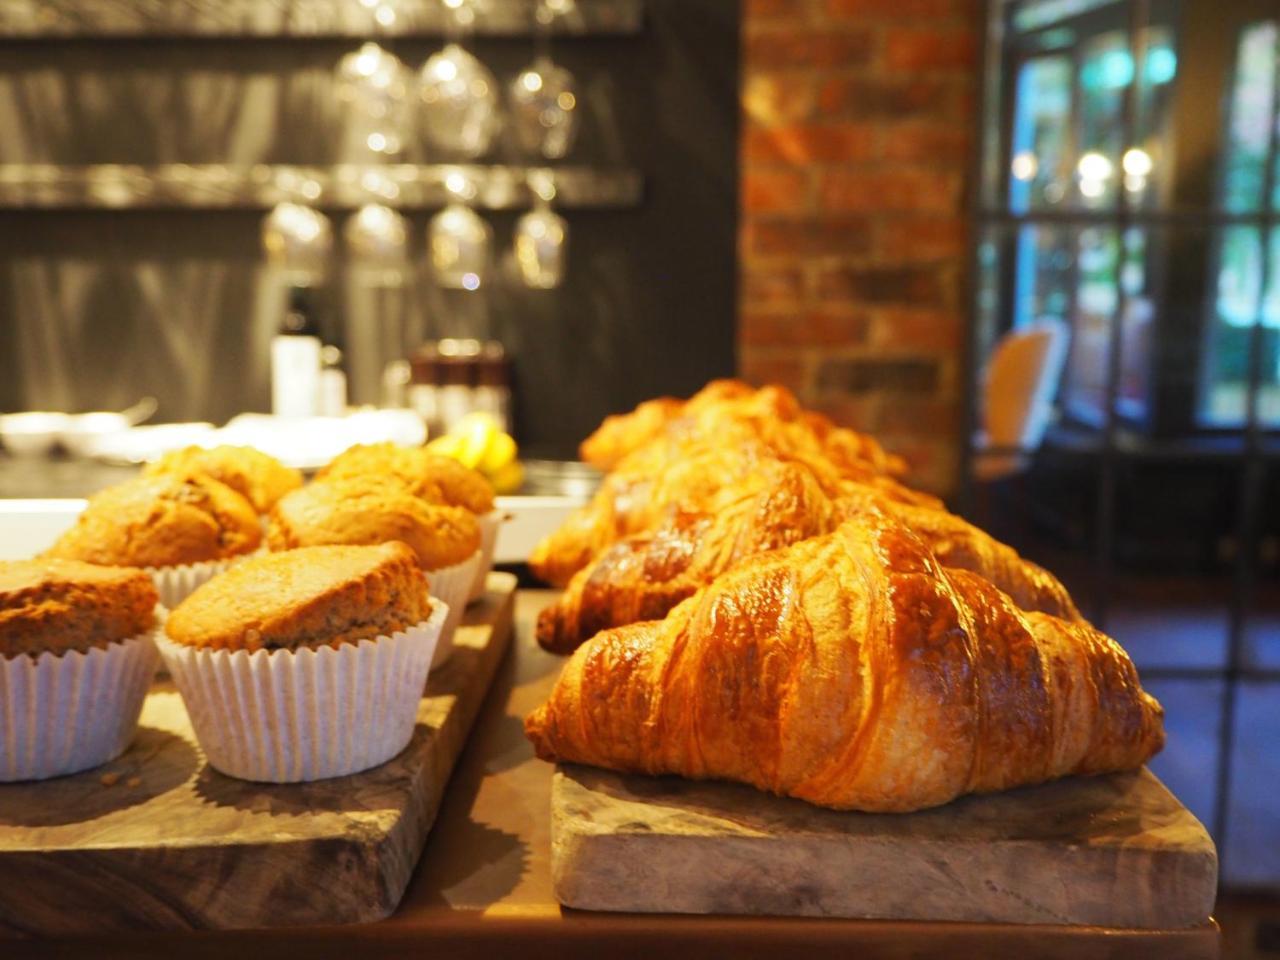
(1184, 222)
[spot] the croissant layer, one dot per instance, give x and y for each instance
(852, 670)
(642, 576)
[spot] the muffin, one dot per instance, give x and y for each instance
(258, 477)
(428, 475)
(366, 510)
(434, 478)
(76, 658)
(305, 664)
(183, 529)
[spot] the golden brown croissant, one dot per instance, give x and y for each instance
(851, 670)
(689, 471)
(707, 413)
(623, 433)
(642, 576)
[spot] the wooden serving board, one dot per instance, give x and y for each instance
(1115, 851)
(157, 840)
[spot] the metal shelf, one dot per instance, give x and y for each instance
(217, 186)
(126, 19)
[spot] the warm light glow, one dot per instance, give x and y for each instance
(455, 183)
(1094, 166)
(567, 101)
(471, 281)
(366, 61)
(531, 81)
(447, 70)
(1137, 162)
(1024, 165)
(385, 16)
(377, 142)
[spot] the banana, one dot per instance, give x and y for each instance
(509, 478)
(501, 453)
(477, 441)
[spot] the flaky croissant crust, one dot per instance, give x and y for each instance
(853, 671)
(690, 472)
(643, 575)
(723, 401)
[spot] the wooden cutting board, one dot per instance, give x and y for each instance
(1115, 851)
(157, 840)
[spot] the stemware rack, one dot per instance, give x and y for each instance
(128, 19)
(36, 186)
(336, 186)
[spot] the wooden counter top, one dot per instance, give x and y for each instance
(483, 886)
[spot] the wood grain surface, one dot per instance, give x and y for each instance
(1118, 851)
(157, 840)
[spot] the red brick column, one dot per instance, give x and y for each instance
(858, 122)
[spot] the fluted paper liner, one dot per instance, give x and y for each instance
(452, 585)
(490, 524)
(284, 716)
(175, 584)
(63, 713)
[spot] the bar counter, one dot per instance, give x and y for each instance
(483, 885)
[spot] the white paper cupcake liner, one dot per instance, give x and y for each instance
(490, 524)
(61, 714)
(175, 584)
(452, 585)
(285, 716)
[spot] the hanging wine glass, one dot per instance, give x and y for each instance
(373, 83)
(541, 237)
(459, 239)
(544, 104)
(459, 93)
(377, 238)
(298, 240)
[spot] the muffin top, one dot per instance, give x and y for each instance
(258, 477)
(61, 605)
(425, 474)
(369, 509)
(162, 521)
(311, 597)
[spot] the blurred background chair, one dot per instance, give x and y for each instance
(1018, 388)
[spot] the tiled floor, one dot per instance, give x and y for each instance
(1176, 629)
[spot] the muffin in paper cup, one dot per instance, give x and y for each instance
(71, 711)
(175, 584)
(183, 530)
(287, 716)
(452, 585)
(490, 524)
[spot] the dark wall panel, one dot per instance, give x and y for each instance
(97, 308)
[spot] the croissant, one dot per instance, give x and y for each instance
(705, 414)
(851, 670)
(689, 471)
(642, 576)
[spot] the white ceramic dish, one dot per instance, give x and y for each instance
(32, 434)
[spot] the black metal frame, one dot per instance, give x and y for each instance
(1191, 203)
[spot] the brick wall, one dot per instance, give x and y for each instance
(857, 131)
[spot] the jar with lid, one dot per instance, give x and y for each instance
(493, 384)
(424, 386)
(457, 365)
